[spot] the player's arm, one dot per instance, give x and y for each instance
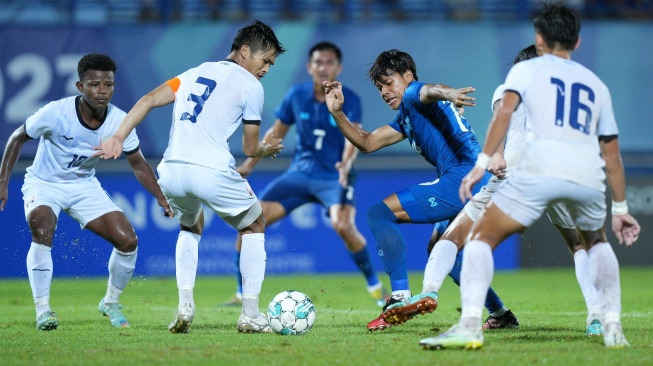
(253, 148)
(431, 93)
(625, 227)
(349, 155)
(364, 141)
(279, 130)
(145, 176)
(162, 95)
(498, 162)
(9, 158)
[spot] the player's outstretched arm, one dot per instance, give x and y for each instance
(278, 130)
(145, 176)
(112, 148)
(253, 148)
(9, 158)
(365, 142)
(431, 93)
(624, 225)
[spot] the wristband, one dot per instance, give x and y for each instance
(619, 208)
(482, 160)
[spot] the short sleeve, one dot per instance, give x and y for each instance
(518, 78)
(253, 108)
(498, 94)
(396, 126)
(42, 122)
(131, 143)
(284, 111)
(607, 122)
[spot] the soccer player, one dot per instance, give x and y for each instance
(446, 258)
(62, 177)
(210, 102)
(564, 103)
(428, 117)
(321, 169)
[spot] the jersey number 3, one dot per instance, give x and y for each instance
(199, 99)
(575, 107)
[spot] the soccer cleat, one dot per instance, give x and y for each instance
(595, 328)
(183, 320)
(47, 321)
(455, 337)
(613, 336)
(253, 325)
(234, 301)
(380, 323)
(380, 296)
(112, 311)
(506, 321)
(403, 311)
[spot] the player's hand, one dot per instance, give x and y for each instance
(497, 165)
(460, 98)
(626, 229)
(163, 203)
(111, 148)
(272, 145)
(473, 177)
(343, 173)
(334, 97)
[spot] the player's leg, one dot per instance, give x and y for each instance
(559, 216)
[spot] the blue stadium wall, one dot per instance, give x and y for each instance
(39, 64)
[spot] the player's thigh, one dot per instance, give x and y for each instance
(494, 226)
(290, 190)
(88, 201)
(177, 181)
(42, 203)
(475, 207)
(273, 211)
(116, 229)
(459, 228)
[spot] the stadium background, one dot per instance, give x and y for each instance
(458, 43)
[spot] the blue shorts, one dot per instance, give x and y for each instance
(293, 189)
(437, 201)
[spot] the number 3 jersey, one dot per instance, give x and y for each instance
(567, 106)
(65, 152)
(211, 101)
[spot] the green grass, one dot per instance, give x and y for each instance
(548, 303)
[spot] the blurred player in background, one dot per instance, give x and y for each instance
(322, 167)
(210, 102)
(62, 177)
(562, 163)
(428, 117)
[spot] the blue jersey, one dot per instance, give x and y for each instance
(319, 142)
(436, 131)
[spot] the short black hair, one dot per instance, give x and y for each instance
(94, 61)
(557, 24)
(526, 54)
(324, 46)
(392, 62)
(259, 37)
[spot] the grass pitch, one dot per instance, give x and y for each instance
(548, 303)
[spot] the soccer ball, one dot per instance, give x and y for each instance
(291, 313)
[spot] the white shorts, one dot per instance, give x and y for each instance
(558, 214)
(83, 200)
(525, 198)
(475, 207)
(187, 186)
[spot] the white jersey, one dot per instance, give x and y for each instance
(65, 152)
(211, 101)
(516, 137)
(564, 104)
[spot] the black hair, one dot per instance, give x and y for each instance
(557, 24)
(259, 37)
(95, 61)
(526, 54)
(392, 62)
(324, 46)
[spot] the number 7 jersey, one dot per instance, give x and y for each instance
(566, 106)
(211, 101)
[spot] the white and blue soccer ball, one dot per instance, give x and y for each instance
(291, 313)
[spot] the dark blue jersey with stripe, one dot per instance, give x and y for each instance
(436, 131)
(319, 142)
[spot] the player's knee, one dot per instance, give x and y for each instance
(127, 244)
(380, 212)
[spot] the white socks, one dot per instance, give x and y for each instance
(121, 269)
(39, 271)
(441, 261)
(475, 278)
(582, 264)
(252, 269)
(604, 269)
(186, 256)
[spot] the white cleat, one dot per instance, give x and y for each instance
(613, 336)
(259, 324)
(183, 320)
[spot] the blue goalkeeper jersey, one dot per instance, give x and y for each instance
(436, 131)
(319, 142)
